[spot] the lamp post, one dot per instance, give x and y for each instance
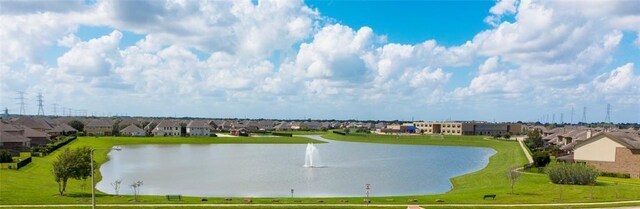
(93, 185)
(367, 191)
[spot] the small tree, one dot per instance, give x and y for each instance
(513, 175)
(74, 164)
(5, 157)
(136, 189)
(541, 159)
(116, 186)
(76, 124)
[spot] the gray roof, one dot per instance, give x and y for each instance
(167, 123)
(64, 127)
(132, 128)
(31, 133)
(198, 124)
(99, 123)
(629, 140)
(35, 123)
(7, 137)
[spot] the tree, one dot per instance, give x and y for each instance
(136, 189)
(513, 175)
(76, 124)
(541, 159)
(116, 186)
(74, 164)
(534, 140)
(5, 157)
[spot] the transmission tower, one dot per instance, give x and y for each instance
(607, 119)
(21, 102)
(40, 104)
(561, 118)
(571, 115)
(584, 114)
(55, 109)
(553, 118)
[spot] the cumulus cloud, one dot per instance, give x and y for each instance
(285, 51)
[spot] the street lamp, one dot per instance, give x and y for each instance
(93, 185)
(367, 191)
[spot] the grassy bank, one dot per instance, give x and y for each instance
(34, 183)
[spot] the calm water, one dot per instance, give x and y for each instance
(272, 170)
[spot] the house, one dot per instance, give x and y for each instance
(132, 130)
(14, 144)
(62, 129)
(283, 126)
(37, 137)
(37, 124)
(616, 152)
(239, 132)
(167, 128)
(98, 127)
(298, 126)
(198, 128)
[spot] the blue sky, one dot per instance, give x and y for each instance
(507, 60)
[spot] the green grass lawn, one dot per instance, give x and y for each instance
(34, 183)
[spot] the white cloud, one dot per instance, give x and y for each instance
(93, 58)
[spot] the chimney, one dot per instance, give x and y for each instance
(589, 134)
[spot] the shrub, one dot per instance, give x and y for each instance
(541, 159)
(5, 157)
(572, 173)
(616, 175)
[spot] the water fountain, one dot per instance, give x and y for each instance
(312, 157)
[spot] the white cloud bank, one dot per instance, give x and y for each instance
(552, 54)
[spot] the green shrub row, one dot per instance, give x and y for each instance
(616, 175)
(572, 173)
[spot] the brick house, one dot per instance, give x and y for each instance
(616, 152)
(98, 127)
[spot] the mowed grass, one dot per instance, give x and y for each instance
(34, 183)
(530, 188)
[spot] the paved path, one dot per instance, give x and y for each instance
(603, 204)
(524, 149)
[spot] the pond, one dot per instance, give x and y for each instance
(272, 170)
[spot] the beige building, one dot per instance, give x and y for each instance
(467, 128)
(198, 128)
(616, 152)
(98, 127)
(167, 128)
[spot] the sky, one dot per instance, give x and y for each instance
(505, 60)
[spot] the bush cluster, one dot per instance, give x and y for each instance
(573, 173)
(541, 159)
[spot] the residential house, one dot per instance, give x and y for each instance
(37, 124)
(198, 128)
(167, 128)
(62, 129)
(98, 127)
(132, 130)
(37, 137)
(283, 126)
(13, 143)
(298, 126)
(616, 152)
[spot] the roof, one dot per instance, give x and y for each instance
(198, 124)
(35, 123)
(7, 137)
(99, 123)
(9, 127)
(167, 123)
(63, 127)
(629, 140)
(31, 133)
(132, 128)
